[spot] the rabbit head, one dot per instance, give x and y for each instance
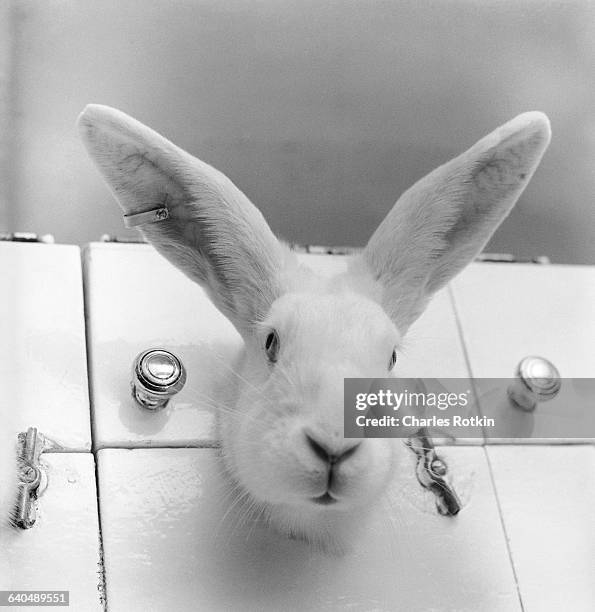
(283, 442)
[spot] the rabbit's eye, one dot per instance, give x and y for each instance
(271, 346)
(393, 360)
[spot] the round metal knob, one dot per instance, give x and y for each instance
(537, 380)
(157, 375)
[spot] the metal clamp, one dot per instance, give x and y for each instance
(26, 237)
(431, 473)
(509, 258)
(148, 216)
(32, 478)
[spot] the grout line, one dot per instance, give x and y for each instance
(102, 586)
(502, 522)
(84, 254)
(466, 357)
(460, 328)
(214, 444)
(485, 447)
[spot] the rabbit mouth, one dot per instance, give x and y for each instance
(325, 500)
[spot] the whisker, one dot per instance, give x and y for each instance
(218, 406)
(397, 528)
(240, 497)
(224, 363)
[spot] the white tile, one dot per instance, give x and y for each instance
(43, 364)
(173, 542)
(61, 551)
(510, 311)
(433, 350)
(547, 496)
(433, 346)
(136, 300)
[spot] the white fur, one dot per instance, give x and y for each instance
(329, 329)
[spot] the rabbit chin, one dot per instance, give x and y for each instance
(330, 528)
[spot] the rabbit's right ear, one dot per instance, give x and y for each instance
(441, 223)
(214, 234)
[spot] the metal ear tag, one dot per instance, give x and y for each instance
(32, 479)
(149, 216)
(432, 473)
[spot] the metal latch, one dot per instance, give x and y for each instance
(324, 250)
(113, 238)
(26, 237)
(509, 258)
(32, 478)
(431, 473)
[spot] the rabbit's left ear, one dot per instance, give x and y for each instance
(214, 234)
(441, 223)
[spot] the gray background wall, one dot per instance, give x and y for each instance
(323, 112)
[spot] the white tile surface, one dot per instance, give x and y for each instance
(136, 300)
(61, 551)
(173, 542)
(510, 311)
(43, 364)
(433, 346)
(547, 496)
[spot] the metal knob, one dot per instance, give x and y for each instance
(157, 375)
(537, 380)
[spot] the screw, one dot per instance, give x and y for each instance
(438, 467)
(29, 475)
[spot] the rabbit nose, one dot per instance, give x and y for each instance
(323, 451)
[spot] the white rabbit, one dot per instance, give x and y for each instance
(283, 443)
